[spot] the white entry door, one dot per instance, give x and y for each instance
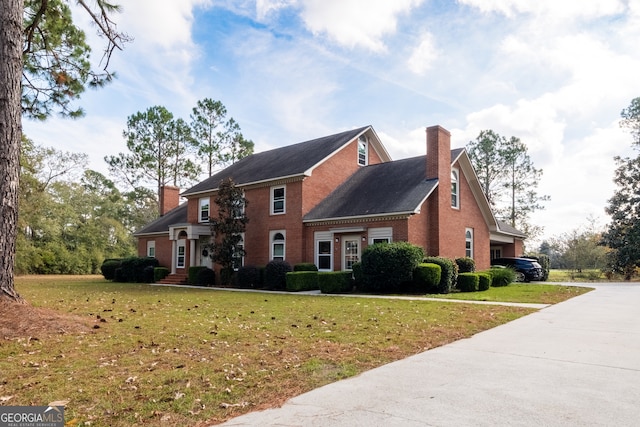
(350, 251)
(205, 252)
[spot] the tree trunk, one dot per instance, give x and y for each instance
(10, 138)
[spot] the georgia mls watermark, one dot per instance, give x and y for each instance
(31, 416)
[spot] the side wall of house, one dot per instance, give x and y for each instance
(162, 245)
(262, 224)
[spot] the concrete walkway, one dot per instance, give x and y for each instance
(576, 363)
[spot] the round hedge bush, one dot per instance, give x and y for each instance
(468, 282)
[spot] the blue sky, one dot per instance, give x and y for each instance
(555, 74)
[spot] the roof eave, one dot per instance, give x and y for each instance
(361, 217)
(248, 184)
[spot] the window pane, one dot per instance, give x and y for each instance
(324, 247)
(384, 240)
(324, 262)
(278, 250)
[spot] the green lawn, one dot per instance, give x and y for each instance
(521, 292)
(181, 356)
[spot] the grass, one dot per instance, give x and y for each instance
(179, 356)
(521, 292)
(591, 275)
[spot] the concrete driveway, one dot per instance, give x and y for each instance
(576, 363)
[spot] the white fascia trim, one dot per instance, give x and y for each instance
(360, 217)
(156, 233)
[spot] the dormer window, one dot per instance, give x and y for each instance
(363, 150)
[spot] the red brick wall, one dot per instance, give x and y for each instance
(331, 173)
(446, 225)
(261, 222)
(163, 249)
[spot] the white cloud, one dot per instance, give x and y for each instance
(423, 56)
(266, 7)
(549, 8)
(354, 23)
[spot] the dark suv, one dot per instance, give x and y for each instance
(527, 269)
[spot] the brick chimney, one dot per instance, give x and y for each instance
(438, 167)
(438, 153)
(169, 198)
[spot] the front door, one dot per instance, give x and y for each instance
(205, 251)
(350, 251)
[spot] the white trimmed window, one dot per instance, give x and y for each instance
(151, 248)
(324, 250)
(363, 151)
(468, 242)
(455, 189)
(277, 240)
(278, 198)
(204, 210)
(380, 235)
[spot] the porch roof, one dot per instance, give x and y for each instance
(162, 224)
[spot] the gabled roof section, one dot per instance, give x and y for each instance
(398, 187)
(162, 224)
(292, 160)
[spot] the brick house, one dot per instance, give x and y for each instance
(325, 200)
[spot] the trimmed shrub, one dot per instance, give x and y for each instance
(388, 267)
(484, 282)
(466, 265)
(335, 282)
(298, 281)
(148, 274)
(206, 277)
(468, 282)
(249, 277)
(118, 275)
(133, 269)
(275, 275)
(192, 274)
(108, 268)
(358, 275)
(426, 277)
(305, 266)
(449, 273)
(501, 276)
(160, 273)
(227, 276)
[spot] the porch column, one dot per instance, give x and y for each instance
(192, 252)
(174, 245)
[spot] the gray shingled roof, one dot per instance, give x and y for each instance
(506, 228)
(286, 161)
(162, 224)
(384, 188)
